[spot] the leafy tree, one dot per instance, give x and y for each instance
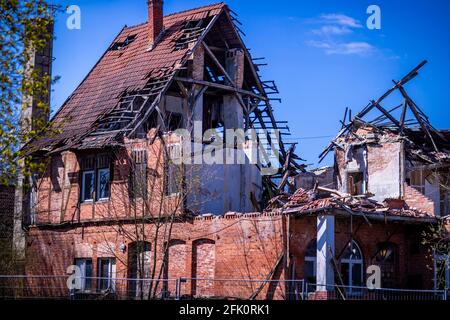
(25, 28)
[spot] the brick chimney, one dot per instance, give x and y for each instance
(155, 20)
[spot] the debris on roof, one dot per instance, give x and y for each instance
(319, 200)
(423, 141)
(127, 79)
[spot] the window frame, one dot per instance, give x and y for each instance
(353, 289)
(110, 278)
(311, 258)
(97, 184)
(86, 280)
(83, 187)
(419, 173)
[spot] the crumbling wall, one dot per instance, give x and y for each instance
(416, 200)
(323, 176)
(384, 167)
(411, 261)
(240, 247)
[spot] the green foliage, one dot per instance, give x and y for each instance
(24, 30)
(437, 238)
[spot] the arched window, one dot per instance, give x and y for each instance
(352, 268)
(310, 261)
(203, 267)
(386, 258)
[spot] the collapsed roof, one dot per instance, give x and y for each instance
(126, 85)
(319, 200)
(423, 142)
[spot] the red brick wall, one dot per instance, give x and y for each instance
(367, 237)
(417, 200)
(229, 247)
(59, 188)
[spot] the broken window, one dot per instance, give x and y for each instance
(212, 115)
(138, 177)
(174, 121)
(106, 274)
(417, 180)
(355, 183)
(87, 185)
(85, 267)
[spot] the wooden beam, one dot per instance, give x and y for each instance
(219, 65)
(219, 86)
(386, 113)
(183, 89)
(417, 115)
(403, 115)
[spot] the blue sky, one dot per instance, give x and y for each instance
(320, 53)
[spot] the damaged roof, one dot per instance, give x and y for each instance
(127, 66)
(304, 202)
(404, 121)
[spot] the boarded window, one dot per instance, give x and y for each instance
(174, 172)
(138, 176)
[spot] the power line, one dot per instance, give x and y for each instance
(309, 138)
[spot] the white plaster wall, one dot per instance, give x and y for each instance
(384, 171)
(432, 193)
(220, 188)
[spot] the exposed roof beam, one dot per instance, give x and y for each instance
(219, 86)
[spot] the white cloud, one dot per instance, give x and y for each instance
(335, 35)
(343, 48)
(341, 20)
(330, 30)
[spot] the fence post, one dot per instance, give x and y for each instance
(178, 283)
(304, 290)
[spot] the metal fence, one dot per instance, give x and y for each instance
(339, 292)
(84, 288)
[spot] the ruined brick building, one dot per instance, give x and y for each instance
(111, 201)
